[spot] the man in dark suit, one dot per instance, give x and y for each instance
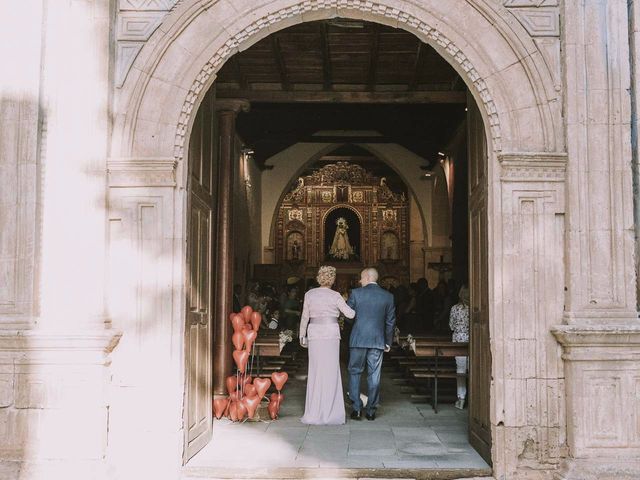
(372, 335)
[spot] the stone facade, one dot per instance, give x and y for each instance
(96, 112)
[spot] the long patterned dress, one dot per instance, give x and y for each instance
(324, 404)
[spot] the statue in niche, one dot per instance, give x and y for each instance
(389, 247)
(341, 249)
(294, 247)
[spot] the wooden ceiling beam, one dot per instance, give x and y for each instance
(420, 54)
(277, 54)
(326, 58)
(242, 78)
(373, 56)
(279, 96)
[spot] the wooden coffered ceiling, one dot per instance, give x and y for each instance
(341, 61)
(344, 75)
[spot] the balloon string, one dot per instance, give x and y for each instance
(253, 351)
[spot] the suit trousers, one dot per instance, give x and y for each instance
(358, 357)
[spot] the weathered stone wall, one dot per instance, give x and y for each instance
(109, 102)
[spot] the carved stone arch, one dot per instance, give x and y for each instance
(156, 106)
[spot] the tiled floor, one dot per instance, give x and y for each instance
(403, 436)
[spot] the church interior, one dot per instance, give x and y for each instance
(350, 143)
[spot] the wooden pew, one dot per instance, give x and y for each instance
(438, 350)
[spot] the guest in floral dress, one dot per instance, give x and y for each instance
(459, 323)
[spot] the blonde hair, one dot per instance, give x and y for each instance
(326, 276)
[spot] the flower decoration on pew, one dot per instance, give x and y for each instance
(246, 394)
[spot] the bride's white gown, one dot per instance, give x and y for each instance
(324, 404)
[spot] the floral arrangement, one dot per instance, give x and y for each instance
(285, 337)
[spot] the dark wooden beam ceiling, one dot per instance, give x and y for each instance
(282, 69)
(326, 57)
(422, 97)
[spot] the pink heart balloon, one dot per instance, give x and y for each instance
(233, 411)
(241, 410)
(241, 357)
(279, 379)
(249, 337)
(238, 322)
(251, 403)
(219, 406)
(277, 398)
(238, 340)
(231, 382)
(250, 390)
(246, 312)
(256, 318)
(273, 409)
(247, 379)
(262, 385)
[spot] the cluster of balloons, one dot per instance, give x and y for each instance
(245, 393)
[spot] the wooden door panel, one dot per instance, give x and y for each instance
(198, 328)
(479, 341)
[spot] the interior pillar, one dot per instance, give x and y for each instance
(227, 111)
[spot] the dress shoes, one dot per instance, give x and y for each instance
(356, 415)
(371, 416)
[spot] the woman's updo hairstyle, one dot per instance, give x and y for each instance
(326, 276)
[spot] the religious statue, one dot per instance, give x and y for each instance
(295, 251)
(341, 249)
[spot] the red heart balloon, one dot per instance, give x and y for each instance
(256, 318)
(277, 398)
(231, 315)
(247, 379)
(246, 328)
(238, 322)
(241, 410)
(241, 357)
(246, 312)
(273, 408)
(250, 390)
(233, 411)
(262, 385)
(231, 383)
(235, 396)
(251, 403)
(249, 338)
(279, 379)
(219, 406)
(238, 340)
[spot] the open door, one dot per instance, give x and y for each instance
(479, 346)
(198, 329)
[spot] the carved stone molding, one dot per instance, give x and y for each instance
(530, 3)
(403, 19)
(602, 370)
(136, 22)
(533, 167)
(539, 22)
(145, 172)
(100, 342)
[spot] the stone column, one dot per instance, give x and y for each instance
(600, 337)
(222, 359)
(55, 345)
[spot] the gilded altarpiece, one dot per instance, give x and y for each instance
(377, 218)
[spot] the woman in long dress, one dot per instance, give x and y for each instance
(319, 330)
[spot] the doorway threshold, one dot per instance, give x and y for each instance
(211, 473)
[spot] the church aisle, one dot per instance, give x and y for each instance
(405, 437)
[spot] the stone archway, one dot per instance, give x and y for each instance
(154, 113)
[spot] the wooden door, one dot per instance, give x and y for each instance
(198, 329)
(479, 345)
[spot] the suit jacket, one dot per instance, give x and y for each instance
(375, 317)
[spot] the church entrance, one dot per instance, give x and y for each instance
(352, 144)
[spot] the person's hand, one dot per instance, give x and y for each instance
(387, 348)
(303, 341)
